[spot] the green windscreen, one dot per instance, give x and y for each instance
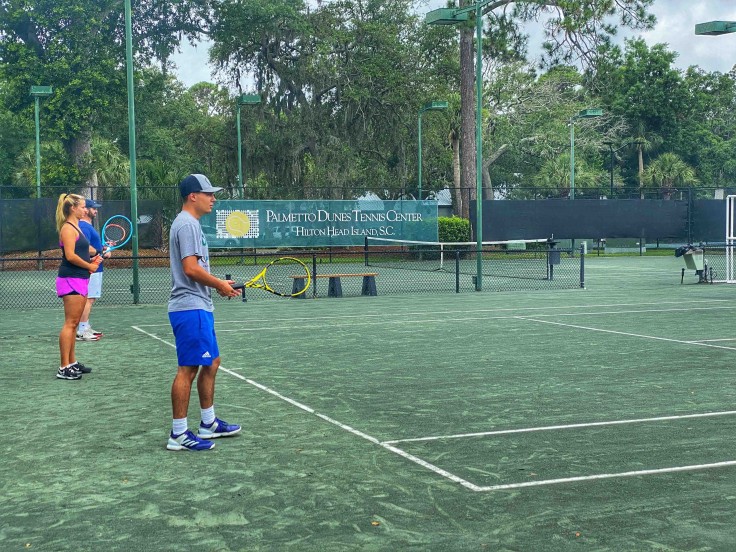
(307, 223)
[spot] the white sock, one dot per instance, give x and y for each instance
(208, 415)
(179, 426)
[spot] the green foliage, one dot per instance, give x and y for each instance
(667, 172)
(453, 229)
(77, 46)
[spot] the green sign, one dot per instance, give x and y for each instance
(307, 223)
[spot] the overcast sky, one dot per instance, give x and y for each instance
(676, 21)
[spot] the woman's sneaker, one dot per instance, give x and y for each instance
(81, 368)
(68, 373)
(87, 336)
(188, 441)
(218, 428)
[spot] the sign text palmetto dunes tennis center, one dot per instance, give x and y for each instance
(310, 223)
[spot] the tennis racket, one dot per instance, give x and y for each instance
(116, 232)
(286, 277)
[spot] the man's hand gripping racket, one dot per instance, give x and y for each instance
(285, 277)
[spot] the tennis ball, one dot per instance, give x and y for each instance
(237, 224)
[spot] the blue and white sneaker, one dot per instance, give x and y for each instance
(81, 368)
(68, 373)
(218, 428)
(188, 441)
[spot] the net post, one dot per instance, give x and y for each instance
(582, 267)
(365, 250)
(457, 271)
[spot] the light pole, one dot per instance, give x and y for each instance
(38, 92)
(450, 16)
(584, 114)
(431, 106)
(245, 99)
(135, 288)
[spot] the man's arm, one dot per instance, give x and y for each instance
(201, 276)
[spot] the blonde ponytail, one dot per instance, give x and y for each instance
(64, 207)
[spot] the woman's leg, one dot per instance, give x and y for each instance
(73, 307)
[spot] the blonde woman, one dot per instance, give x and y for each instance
(72, 281)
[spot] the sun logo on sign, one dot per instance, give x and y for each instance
(237, 224)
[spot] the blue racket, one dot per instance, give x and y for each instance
(116, 232)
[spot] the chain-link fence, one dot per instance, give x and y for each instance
(30, 282)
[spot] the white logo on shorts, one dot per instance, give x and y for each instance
(207, 355)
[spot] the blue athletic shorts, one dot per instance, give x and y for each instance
(194, 331)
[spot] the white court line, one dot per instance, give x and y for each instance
(565, 426)
(358, 433)
(383, 315)
(436, 469)
(694, 467)
(402, 320)
(711, 340)
(577, 327)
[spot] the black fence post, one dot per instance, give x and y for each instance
(689, 215)
(314, 273)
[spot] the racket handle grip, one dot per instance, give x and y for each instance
(238, 286)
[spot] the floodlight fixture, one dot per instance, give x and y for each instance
(715, 28)
(446, 16)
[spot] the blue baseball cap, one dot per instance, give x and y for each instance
(91, 203)
(196, 183)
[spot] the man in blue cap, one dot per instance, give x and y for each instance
(192, 320)
(84, 330)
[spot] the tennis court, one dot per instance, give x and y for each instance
(599, 419)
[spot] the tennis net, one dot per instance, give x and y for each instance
(536, 259)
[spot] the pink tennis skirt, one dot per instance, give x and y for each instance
(67, 286)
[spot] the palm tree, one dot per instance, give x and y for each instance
(555, 175)
(667, 172)
(644, 141)
(111, 167)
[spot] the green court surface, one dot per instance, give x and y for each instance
(594, 419)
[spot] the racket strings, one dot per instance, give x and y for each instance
(114, 233)
(286, 276)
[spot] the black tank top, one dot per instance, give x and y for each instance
(81, 248)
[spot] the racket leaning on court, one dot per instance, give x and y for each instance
(286, 277)
(116, 232)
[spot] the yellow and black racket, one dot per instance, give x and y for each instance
(286, 276)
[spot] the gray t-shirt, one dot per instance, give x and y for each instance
(186, 239)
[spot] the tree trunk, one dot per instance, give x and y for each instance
(487, 162)
(456, 182)
(79, 149)
(467, 115)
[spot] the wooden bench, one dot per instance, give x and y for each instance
(334, 287)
